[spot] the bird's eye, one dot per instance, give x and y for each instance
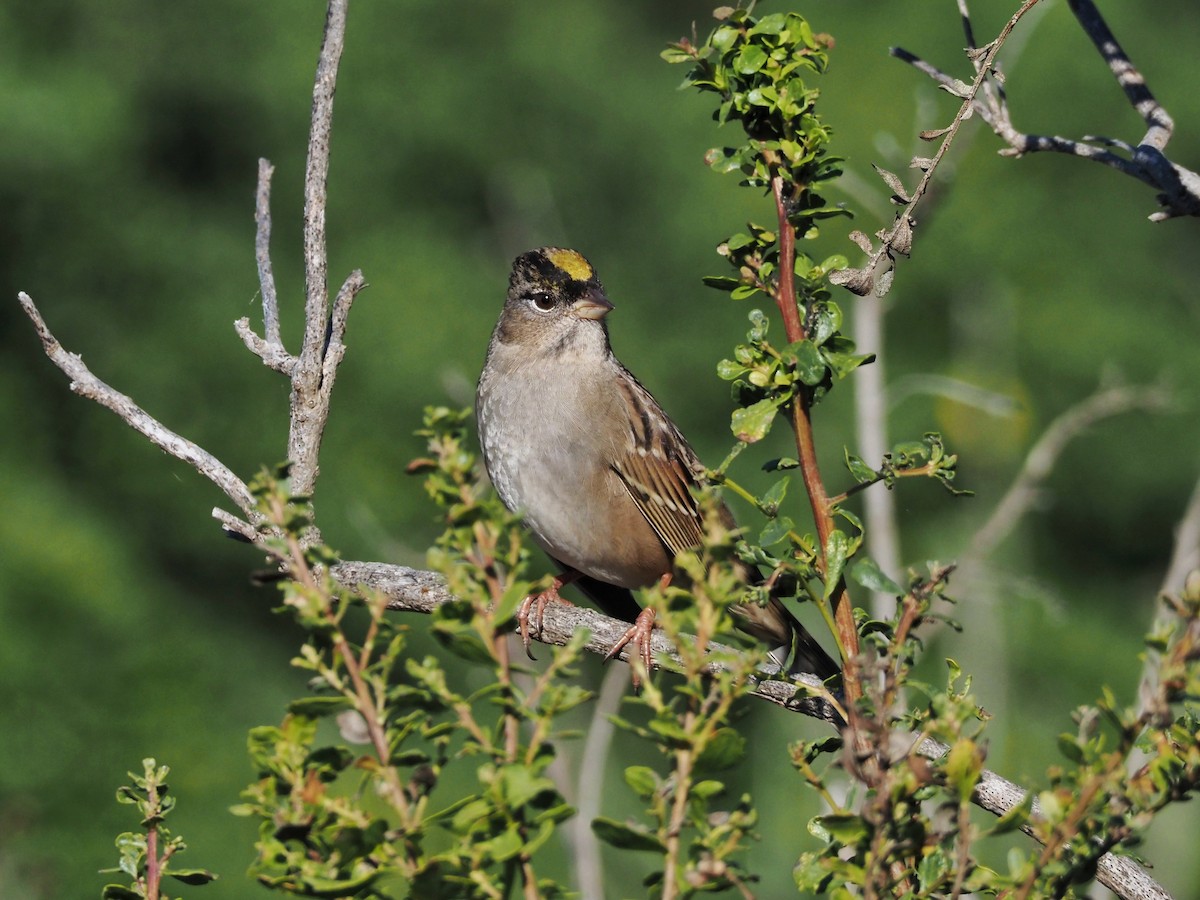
(541, 301)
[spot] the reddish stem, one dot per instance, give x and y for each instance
(153, 876)
(822, 509)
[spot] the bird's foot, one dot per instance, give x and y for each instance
(533, 607)
(638, 633)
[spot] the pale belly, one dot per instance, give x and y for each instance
(575, 506)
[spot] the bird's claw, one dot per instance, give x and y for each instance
(525, 614)
(638, 633)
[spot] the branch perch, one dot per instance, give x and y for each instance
(417, 590)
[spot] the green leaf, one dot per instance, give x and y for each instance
(462, 642)
(1069, 747)
(964, 762)
(725, 749)
(845, 828)
(859, 470)
(520, 785)
(728, 369)
(707, 788)
(750, 60)
(752, 423)
(837, 546)
(721, 282)
(119, 892)
(867, 573)
(806, 357)
(337, 887)
(843, 364)
(643, 780)
(192, 876)
(505, 845)
(773, 498)
(775, 531)
(668, 727)
(506, 609)
(316, 707)
(910, 453)
(468, 814)
(784, 462)
(625, 837)
(723, 160)
(826, 320)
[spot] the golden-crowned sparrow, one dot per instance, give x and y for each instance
(601, 475)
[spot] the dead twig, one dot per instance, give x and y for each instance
(1179, 187)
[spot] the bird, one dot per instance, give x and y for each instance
(603, 479)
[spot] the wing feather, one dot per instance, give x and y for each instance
(659, 468)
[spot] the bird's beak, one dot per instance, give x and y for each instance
(592, 305)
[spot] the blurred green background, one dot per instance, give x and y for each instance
(463, 135)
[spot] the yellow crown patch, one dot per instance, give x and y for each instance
(572, 263)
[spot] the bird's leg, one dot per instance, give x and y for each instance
(538, 602)
(639, 633)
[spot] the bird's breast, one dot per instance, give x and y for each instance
(550, 456)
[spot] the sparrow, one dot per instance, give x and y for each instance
(602, 477)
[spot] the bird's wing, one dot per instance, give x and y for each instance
(658, 469)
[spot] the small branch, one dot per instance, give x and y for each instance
(322, 350)
(262, 253)
(875, 276)
(270, 348)
(1186, 554)
(1044, 455)
(998, 795)
(85, 384)
(235, 526)
(810, 472)
(335, 347)
(316, 179)
(588, 868)
(1159, 123)
(417, 590)
(273, 355)
(1185, 557)
(870, 416)
(1179, 187)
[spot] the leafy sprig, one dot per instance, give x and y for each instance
(147, 856)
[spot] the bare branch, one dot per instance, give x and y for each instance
(870, 414)
(1185, 558)
(312, 379)
(1179, 187)
(269, 348)
(262, 253)
(1186, 555)
(416, 590)
(1159, 123)
(273, 355)
(1041, 459)
(237, 527)
(85, 384)
(587, 864)
(335, 347)
(998, 795)
(876, 274)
